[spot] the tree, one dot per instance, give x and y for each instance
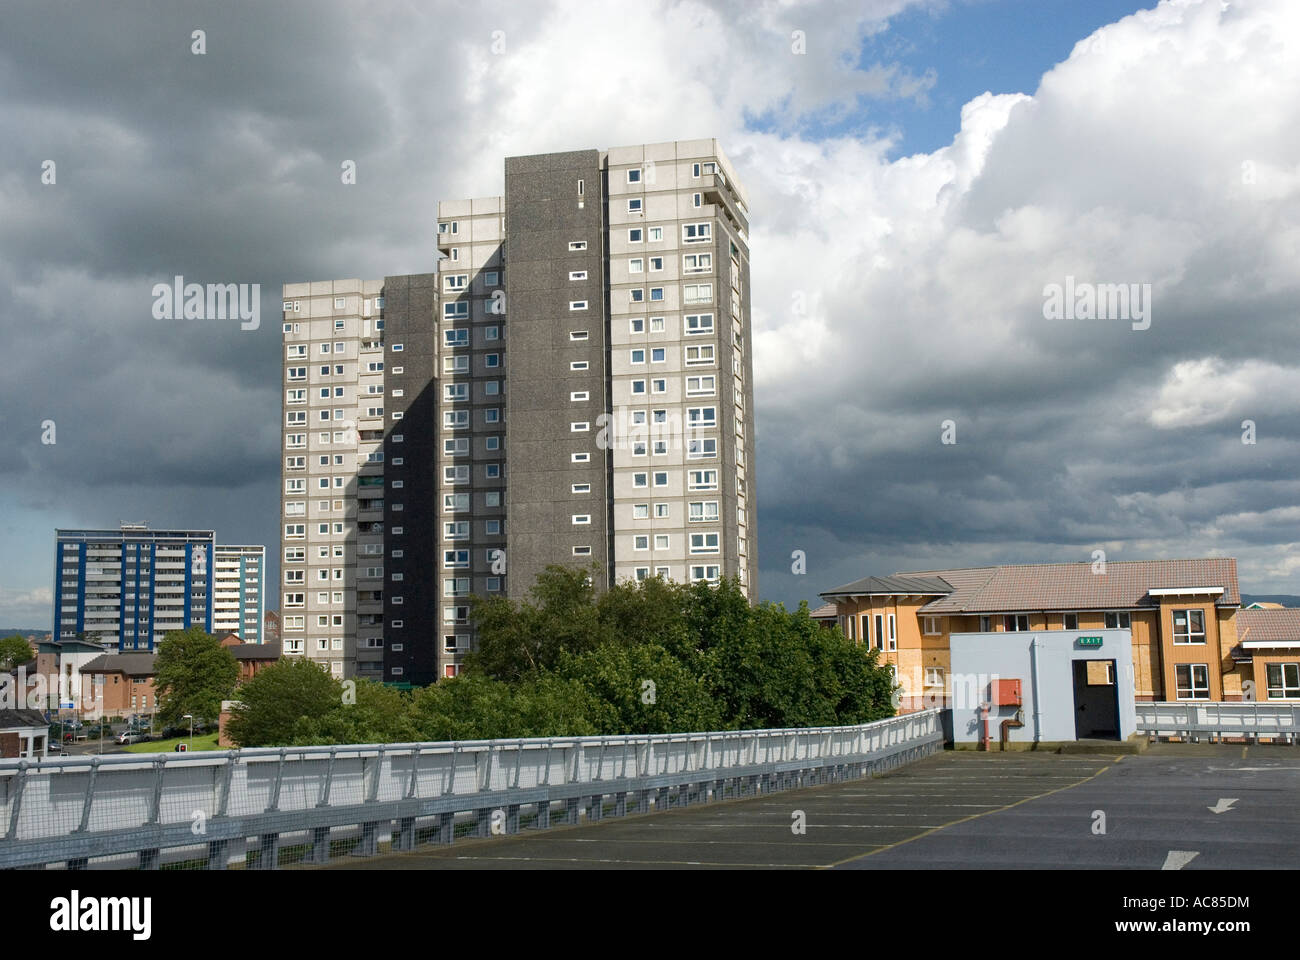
(14, 650)
(193, 674)
(276, 705)
(376, 714)
(642, 689)
(560, 616)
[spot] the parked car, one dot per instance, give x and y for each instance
(127, 737)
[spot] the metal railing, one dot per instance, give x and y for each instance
(202, 809)
(1243, 719)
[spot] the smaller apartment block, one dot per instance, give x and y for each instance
(237, 605)
(128, 588)
(1191, 640)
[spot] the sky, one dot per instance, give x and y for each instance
(925, 177)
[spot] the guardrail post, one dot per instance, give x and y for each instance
(543, 821)
(90, 796)
(218, 854)
(155, 802)
(620, 804)
(223, 790)
(323, 796)
(446, 834)
(404, 834)
(149, 859)
(413, 785)
(512, 818)
(268, 851)
(274, 803)
(642, 798)
(17, 803)
(320, 845)
(368, 845)
(451, 772)
(661, 799)
(483, 822)
(570, 811)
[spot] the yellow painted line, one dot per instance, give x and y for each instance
(973, 816)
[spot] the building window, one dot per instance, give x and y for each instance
(704, 542)
(577, 244)
(1070, 621)
(634, 175)
(934, 676)
(930, 625)
(1118, 620)
(1192, 680)
(1015, 622)
(1283, 680)
(634, 205)
(1189, 626)
(577, 304)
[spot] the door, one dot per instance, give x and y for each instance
(1096, 700)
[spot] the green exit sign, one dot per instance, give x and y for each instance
(1089, 641)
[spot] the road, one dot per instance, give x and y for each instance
(958, 810)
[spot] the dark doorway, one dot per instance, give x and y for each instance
(1096, 703)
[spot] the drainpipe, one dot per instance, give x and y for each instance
(1017, 721)
(1038, 709)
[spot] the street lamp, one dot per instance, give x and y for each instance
(190, 718)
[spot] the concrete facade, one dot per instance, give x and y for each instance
(332, 506)
(572, 237)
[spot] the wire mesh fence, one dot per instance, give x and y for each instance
(296, 807)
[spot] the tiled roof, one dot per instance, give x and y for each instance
(1074, 586)
(256, 651)
(966, 584)
(9, 719)
(826, 611)
(1053, 586)
(1278, 626)
(131, 664)
(895, 585)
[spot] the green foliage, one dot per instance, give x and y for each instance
(194, 674)
(516, 641)
(274, 703)
(13, 651)
(375, 714)
(648, 657)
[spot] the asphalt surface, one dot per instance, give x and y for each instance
(958, 810)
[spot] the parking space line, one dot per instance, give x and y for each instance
(976, 816)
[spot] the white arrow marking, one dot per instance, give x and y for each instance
(1178, 859)
(1223, 806)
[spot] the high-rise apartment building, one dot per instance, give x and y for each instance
(238, 578)
(617, 431)
(129, 587)
(332, 506)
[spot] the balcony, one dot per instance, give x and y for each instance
(717, 191)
